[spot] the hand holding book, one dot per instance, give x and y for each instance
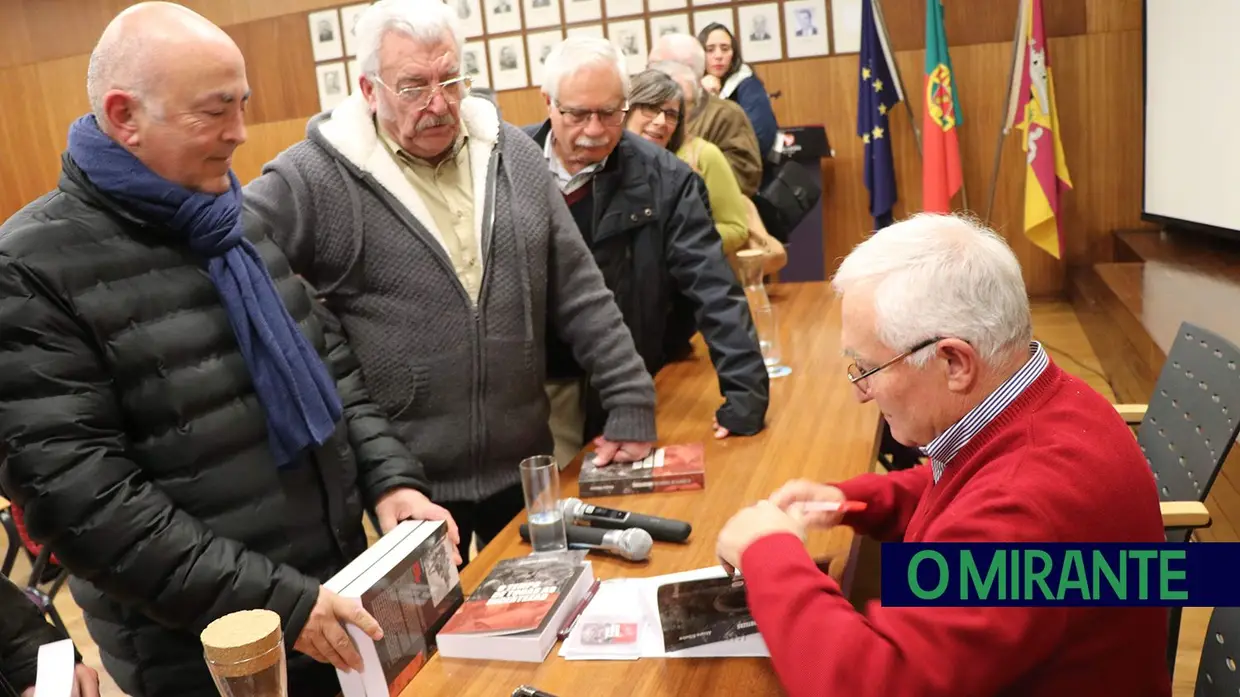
(324, 638)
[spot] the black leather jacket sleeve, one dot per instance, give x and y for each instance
(697, 264)
(22, 631)
(67, 466)
(383, 461)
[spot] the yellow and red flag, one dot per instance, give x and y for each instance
(1046, 173)
(941, 176)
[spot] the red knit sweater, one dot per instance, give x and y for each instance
(1058, 465)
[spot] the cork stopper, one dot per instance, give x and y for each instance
(241, 643)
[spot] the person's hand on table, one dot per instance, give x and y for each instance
(411, 504)
(324, 638)
(799, 491)
(607, 452)
(749, 525)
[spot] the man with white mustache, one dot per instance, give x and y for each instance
(433, 232)
(643, 213)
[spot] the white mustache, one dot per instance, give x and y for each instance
(433, 121)
(588, 142)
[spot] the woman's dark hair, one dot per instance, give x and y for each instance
(652, 88)
(737, 61)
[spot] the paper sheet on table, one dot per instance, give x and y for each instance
(54, 673)
(643, 593)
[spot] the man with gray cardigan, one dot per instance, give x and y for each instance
(434, 232)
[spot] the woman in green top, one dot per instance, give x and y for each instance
(657, 109)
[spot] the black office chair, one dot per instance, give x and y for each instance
(1219, 674)
(1187, 430)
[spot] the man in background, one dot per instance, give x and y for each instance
(181, 428)
(433, 230)
(642, 212)
(719, 121)
(935, 316)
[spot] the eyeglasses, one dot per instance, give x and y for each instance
(856, 375)
(420, 97)
(652, 111)
(580, 117)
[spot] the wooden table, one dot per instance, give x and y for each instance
(815, 429)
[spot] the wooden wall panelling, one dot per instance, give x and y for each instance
(976, 21)
(522, 107)
(64, 97)
(279, 66)
(30, 164)
(1112, 15)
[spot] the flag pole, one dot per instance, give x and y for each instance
(895, 68)
(1004, 125)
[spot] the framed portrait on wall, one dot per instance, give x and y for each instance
(541, 13)
(846, 25)
(805, 28)
(353, 71)
(469, 14)
(590, 30)
(758, 32)
(474, 63)
(507, 63)
(348, 26)
(666, 5)
(325, 40)
(699, 3)
(623, 8)
(630, 37)
(539, 45)
(669, 24)
(502, 16)
(582, 11)
(705, 18)
(333, 84)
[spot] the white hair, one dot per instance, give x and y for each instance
(683, 49)
(678, 72)
(116, 63)
(422, 20)
(941, 276)
(575, 53)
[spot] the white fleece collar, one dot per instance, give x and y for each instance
(734, 80)
(351, 130)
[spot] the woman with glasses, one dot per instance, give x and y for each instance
(658, 112)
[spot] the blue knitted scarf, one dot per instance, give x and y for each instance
(292, 383)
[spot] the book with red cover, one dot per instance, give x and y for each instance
(672, 468)
(516, 611)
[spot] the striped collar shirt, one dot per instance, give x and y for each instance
(568, 183)
(942, 449)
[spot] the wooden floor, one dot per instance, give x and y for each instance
(1055, 325)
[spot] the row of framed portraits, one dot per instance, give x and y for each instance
(766, 31)
(757, 26)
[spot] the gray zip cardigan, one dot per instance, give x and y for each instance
(462, 382)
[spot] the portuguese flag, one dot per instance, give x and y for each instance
(940, 164)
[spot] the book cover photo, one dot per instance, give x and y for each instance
(694, 613)
(517, 596)
(671, 468)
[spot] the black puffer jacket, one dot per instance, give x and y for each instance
(138, 450)
(22, 631)
(656, 244)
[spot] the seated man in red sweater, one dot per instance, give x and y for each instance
(936, 319)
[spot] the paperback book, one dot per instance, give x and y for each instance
(672, 468)
(517, 610)
(408, 583)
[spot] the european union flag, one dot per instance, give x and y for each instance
(879, 92)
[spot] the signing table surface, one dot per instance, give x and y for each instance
(815, 429)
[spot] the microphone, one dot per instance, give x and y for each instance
(632, 544)
(662, 529)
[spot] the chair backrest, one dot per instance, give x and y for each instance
(1194, 414)
(1219, 673)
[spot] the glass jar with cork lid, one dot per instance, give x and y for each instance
(245, 654)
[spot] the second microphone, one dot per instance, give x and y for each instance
(663, 529)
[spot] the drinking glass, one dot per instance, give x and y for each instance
(540, 481)
(768, 339)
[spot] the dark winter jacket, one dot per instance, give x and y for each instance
(656, 244)
(138, 450)
(22, 631)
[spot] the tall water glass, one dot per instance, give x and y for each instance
(540, 481)
(763, 313)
